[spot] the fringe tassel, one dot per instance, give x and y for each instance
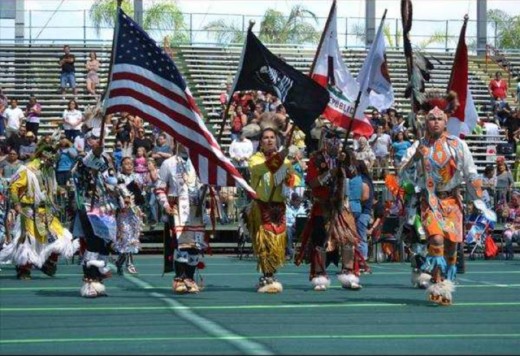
(268, 246)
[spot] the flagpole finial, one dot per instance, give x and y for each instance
(466, 17)
(119, 3)
(251, 24)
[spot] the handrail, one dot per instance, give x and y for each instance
(500, 59)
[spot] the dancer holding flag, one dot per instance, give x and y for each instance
(260, 69)
(153, 88)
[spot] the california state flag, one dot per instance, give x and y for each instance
(465, 118)
(330, 71)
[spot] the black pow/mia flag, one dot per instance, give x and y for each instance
(259, 69)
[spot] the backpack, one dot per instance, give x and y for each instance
(490, 248)
(236, 124)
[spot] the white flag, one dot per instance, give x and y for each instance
(331, 72)
(373, 78)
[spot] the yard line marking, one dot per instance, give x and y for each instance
(491, 284)
(485, 285)
(206, 325)
(261, 337)
(208, 307)
(179, 307)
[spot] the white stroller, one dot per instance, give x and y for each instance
(480, 230)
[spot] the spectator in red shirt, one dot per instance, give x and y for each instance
(497, 88)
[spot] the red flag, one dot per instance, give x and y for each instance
(459, 73)
(465, 117)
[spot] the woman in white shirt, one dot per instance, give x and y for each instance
(72, 121)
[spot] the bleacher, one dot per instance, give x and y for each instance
(34, 69)
(209, 68)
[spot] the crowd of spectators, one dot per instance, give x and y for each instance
(145, 148)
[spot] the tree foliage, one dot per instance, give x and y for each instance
(275, 27)
(507, 28)
(225, 32)
(295, 28)
(164, 16)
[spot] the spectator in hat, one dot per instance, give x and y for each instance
(28, 148)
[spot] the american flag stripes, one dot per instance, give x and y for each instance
(146, 82)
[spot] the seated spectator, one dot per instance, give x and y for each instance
(364, 153)
(298, 139)
(376, 119)
(492, 131)
(10, 165)
(503, 112)
(136, 122)
(504, 180)
(294, 208)
(511, 214)
(162, 150)
(140, 140)
(117, 155)
(17, 139)
(124, 132)
(399, 125)
(28, 147)
(295, 155)
(489, 183)
(141, 165)
(238, 121)
(240, 150)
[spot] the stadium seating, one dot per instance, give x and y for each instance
(34, 69)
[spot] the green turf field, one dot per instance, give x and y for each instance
(142, 316)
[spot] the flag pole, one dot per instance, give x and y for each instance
(230, 94)
(322, 38)
(221, 131)
(462, 31)
(102, 129)
(112, 58)
(406, 22)
(356, 104)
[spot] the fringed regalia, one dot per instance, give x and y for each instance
(330, 234)
(445, 161)
(96, 199)
(271, 177)
(179, 191)
(38, 238)
(129, 219)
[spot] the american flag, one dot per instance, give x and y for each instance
(146, 82)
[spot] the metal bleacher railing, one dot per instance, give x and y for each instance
(50, 25)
